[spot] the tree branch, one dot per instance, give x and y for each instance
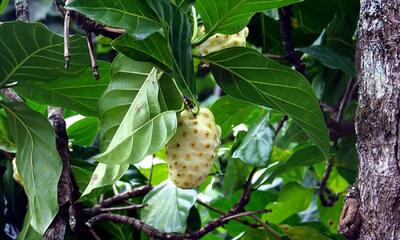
(68, 191)
(244, 222)
(22, 10)
(285, 14)
(236, 211)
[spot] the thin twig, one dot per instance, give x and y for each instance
(94, 211)
(248, 213)
(235, 212)
(280, 125)
(285, 14)
(267, 227)
(244, 222)
(67, 55)
(151, 170)
(120, 198)
(11, 95)
(95, 67)
(344, 100)
(332, 198)
(94, 234)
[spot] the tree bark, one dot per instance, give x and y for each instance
(378, 119)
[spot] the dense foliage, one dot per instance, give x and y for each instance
(284, 100)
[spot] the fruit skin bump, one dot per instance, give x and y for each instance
(191, 152)
(219, 41)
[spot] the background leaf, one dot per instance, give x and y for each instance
(3, 5)
(144, 129)
(84, 131)
(292, 198)
(262, 81)
(229, 112)
(30, 52)
(255, 148)
(176, 204)
(135, 15)
(80, 94)
(38, 162)
(152, 49)
(178, 31)
(231, 16)
(331, 59)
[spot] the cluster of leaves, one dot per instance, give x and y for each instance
(130, 113)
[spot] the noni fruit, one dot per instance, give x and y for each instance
(191, 152)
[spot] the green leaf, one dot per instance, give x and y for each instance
(3, 5)
(84, 131)
(159, 171)
(230, 112)
(80, 94)
(38, 162)
(176, 204)
(127, 76)
(152, 49)
(235, 176)
(256, 147)
(292, 199)
(184, 4)
(306, 156)
(27, 232)
(178, 31)
(6, 142)
(331, 58)
(262, 81)
(231, 16)
(330, 215)
(135, 15)
(144, 129)
(104, 175)
(303, 232)
(30, 52)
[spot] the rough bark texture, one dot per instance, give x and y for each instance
(378, 118)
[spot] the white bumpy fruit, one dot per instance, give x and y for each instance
(218, 41)
(191, 152)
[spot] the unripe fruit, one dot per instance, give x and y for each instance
(191, 152)
(218, 42)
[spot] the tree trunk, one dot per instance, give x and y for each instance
(378, 119)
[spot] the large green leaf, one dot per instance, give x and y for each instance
(175, 207)
(231, 16)
(178, 31)
(306, 156)
(262, 81)
(229, 112)
(104, 175)
(152, 49)
(30, 52)
(144, 129)
(80, 94)
(6, 142)
(292, 199)
(331, 59)
(83, 131)
(38, 162)
(127, 77)
(256, 147)
(135, 15)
